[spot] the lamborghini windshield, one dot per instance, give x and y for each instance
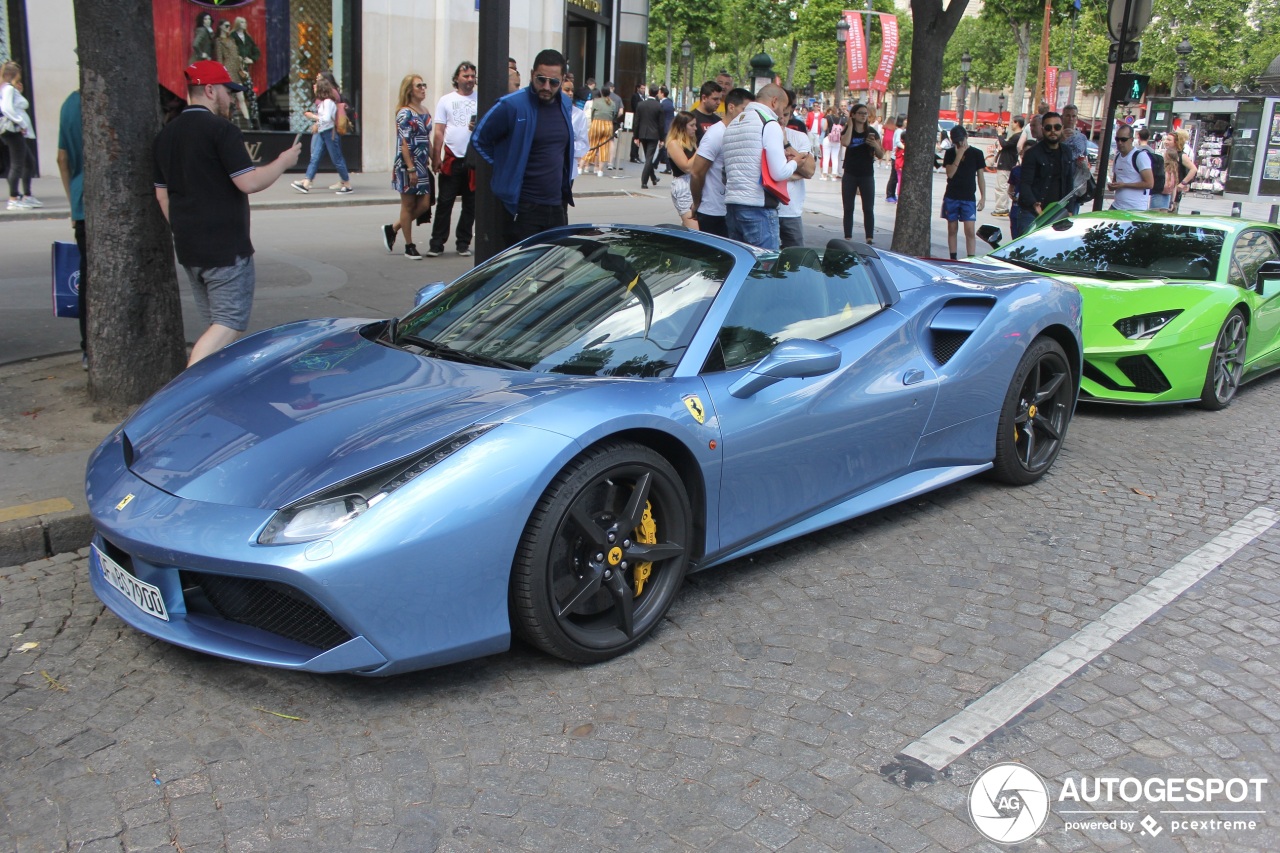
(593, 303)
(1119, 248)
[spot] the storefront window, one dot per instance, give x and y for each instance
(276, 46)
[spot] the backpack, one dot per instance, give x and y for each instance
(1157, 170)
(837, 129)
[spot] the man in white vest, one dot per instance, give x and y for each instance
(751, 213)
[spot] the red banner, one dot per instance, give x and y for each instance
(1051, 86)
(888, 51)
(857, 52)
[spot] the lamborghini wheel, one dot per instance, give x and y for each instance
(1226, 365)
(603, 555)
(1036, 412)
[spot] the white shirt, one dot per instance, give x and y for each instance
(455, 111)
(1128, 170)
(794, 208)
(326, 115)
(712, 148)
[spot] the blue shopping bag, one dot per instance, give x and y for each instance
(66, 280)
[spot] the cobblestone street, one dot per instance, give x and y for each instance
(768, 712)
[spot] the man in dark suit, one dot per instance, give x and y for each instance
(637, 98)
(668, 116)
(647, 128)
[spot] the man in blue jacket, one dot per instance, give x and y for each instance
(528, 137)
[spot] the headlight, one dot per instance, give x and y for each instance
(327, 512)
(1145, 326)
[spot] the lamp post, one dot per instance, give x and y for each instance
(966, 62)
(1000, 118)
(813, 78)
(686, 74)
(842, 38)
(1183, 84)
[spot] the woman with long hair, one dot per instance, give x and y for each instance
(600, 132)
(411, 175)
(1162, 196)
(202, 41)
(682, 144)
(16, 130)
(1185, 167)
(323, 138)
(831, 146)
(863, 148)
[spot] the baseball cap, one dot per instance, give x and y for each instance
(206, 72)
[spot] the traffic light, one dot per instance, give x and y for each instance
(1131, 88)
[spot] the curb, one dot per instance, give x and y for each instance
(44, 536)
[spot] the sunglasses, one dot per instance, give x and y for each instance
(553, 82)
(1124, 139)
(419, 85)
(1053, 127)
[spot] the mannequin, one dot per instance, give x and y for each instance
(229, 55)
(202, 41)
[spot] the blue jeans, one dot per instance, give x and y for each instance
(326, 140)
(755, 226)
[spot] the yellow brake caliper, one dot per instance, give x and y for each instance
(646, 533)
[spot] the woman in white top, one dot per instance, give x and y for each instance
(324, 139)
(15, 130)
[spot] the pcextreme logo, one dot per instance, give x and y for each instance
(1009, 803)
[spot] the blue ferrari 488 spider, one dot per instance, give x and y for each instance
(547, 445)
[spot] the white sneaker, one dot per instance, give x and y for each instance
(32, 201)
(599, 174)
(18, 204)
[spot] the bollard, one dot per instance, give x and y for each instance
(1275, 214)
(1235, 210)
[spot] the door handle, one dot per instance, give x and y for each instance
(911, 377)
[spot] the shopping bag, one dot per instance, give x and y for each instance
(66, 280)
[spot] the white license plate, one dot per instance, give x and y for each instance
(144, 596)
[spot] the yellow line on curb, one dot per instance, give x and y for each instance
(13, 513)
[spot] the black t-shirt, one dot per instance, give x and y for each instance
(963, 185)
(702, 121)
(544, 172)
(196, 156)
(861, 159)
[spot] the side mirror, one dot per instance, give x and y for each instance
(799, 358)
(427, 292)
(1268, 281)
(990, 234)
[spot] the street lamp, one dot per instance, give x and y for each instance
(686, 74)
(813, 78)
(1000, 117)
(842, 38)
(1183, 83)
(966, 62)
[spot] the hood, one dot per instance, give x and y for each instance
(300, 412)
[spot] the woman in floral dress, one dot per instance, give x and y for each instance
(411, 175)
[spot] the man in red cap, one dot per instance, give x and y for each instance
(203, 178)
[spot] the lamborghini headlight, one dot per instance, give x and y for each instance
(1145, 326)
(327, 512)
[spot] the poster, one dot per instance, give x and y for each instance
(888, 51)
(857, 52)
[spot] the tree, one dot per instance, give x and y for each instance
(135, 319)
(1024, 19)
(933, 26)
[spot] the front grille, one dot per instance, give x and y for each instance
(269, 606)
(947, 343)
(1140, 370)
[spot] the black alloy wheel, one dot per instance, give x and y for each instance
(1037, 410)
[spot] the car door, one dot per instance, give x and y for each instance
(804, 444)
(1252, 249)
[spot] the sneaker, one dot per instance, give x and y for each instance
(301, 186)
(871, 241)
(599, 174)
(389, 237)
(411, 252)
(434, 253)
(18, 204)
(466, 253)
(1003, 214)
(84, 361)
(343, 191)
(892, 199)
(336, 186)
(32, 201)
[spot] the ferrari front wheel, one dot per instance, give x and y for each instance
(1226, 365)
(1037, 409)
(603, 554)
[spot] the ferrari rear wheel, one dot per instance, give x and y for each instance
(1226, 365)
(1036, 412)
(603, 555)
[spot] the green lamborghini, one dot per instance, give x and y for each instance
(1177, 309)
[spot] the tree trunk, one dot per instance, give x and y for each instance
(933, 27)
(135, 317)
(667, 77)
(1022, 38)
(791, 64)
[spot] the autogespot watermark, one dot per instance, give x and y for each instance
(1009, 803)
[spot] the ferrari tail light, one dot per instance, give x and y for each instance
(1145, 326)
(327, 512)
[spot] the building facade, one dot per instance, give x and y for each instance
(370, 45)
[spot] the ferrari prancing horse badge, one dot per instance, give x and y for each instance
(694, 405)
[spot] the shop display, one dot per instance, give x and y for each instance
(1211, 156)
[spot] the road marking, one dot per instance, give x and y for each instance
(13, 513)
(953, 738)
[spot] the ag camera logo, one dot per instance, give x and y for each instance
(1008, 803)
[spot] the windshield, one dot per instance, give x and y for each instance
(1094, 246)
(594, 303)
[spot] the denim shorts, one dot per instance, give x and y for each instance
(224, 295)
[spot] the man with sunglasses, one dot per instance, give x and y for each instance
(1131, 177)
(528, 137)
(1048, 169)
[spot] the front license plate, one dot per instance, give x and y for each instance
(144, 596)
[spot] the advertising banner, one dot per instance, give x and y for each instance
(1051, 86)
(888, 51)
(857, 52)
